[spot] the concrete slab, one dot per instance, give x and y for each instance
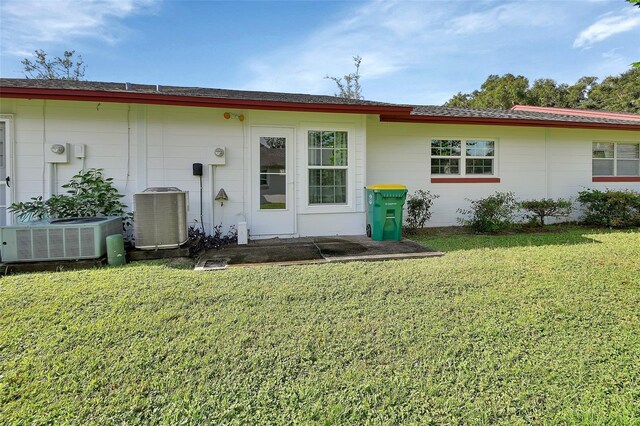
(310, 250)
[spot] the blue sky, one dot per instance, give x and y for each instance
(419, 52)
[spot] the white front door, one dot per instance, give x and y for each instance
(272, 182)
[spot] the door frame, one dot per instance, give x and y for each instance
(256, 131)
(7, 119)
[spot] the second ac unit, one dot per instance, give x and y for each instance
(160, 220)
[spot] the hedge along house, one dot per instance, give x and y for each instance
(296, 165)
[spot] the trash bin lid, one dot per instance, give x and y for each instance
(387, 186)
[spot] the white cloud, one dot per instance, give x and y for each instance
(519, 15)
(608, 26)
(390, 36)
(29, 24)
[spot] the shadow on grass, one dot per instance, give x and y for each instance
(451, 239)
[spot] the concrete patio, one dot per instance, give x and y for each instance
(311, 250)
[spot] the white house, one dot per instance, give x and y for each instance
(296, 165)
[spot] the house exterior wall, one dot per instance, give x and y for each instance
(144, 146)
(530, 161)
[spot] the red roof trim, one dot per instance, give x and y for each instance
(504, 122)
(197, 101)
(465, 180)
(616, 179)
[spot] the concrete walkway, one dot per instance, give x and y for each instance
(310, 250)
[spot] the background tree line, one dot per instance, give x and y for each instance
(616, 93)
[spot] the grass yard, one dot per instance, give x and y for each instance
(520, 329)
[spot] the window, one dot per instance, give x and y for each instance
(462, 157)
(328, 165)
(616, 159)
(273, 173)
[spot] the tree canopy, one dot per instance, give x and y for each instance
(59, 68)
(615, 93)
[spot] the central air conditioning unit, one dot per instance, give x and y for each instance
(58, 239)
(160, 218)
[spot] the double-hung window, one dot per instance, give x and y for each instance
(463, 157)
(328, 166)
(615, 159)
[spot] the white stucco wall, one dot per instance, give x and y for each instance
(532, 162)
(143, 146)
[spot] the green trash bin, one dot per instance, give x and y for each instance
(384, 211)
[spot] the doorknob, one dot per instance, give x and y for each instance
(7, 180)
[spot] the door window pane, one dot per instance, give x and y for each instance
(273, 173)
(273, 153)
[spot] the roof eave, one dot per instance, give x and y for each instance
(481, 121)
(195, 101)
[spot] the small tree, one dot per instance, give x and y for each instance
(539, 210)
(419, 209)
(349, 85)
(65, 68)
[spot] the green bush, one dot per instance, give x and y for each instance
(491, 214)
(89, 194)
(539, 210)
(610, 208)
(419, 209)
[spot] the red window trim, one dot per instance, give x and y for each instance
(466, 180)
(615, 179)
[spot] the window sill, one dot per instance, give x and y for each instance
(615, 179)
(466, 180)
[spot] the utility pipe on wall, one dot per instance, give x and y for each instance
(212, 170)
(51, 172)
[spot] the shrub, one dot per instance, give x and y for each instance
(200, 241)
(611, 208)
(419, 209)
(89, 194)
(491, 214)
(538, 210)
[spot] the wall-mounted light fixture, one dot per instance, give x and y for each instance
(222, 196)
(228, 115)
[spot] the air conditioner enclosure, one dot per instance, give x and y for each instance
(58, 239)
(160, 220)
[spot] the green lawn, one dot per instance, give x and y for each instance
(519, 329)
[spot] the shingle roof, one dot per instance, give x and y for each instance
(579, 112)
(203, 92)
(439, 111)
(208, 97)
